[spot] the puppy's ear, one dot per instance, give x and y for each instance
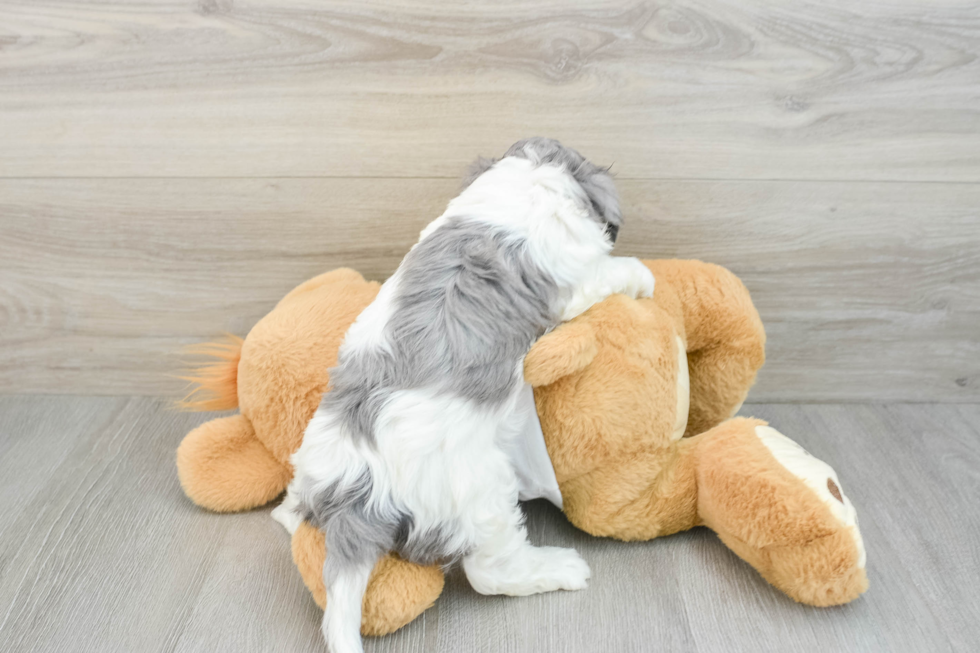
(566, 350)
(477, 168)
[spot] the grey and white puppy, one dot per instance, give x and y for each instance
(406, 451)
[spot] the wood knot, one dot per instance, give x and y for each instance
(212, 7)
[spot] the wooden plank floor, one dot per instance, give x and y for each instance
(100, 551)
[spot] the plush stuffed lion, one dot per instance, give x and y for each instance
(635, 400)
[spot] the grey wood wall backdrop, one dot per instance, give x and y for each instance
(168, 169)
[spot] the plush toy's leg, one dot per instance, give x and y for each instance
(725, 337)
(397, 592)
(224, 467)
(782, 511)
(660, 499)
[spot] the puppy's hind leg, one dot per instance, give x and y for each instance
(288, 513)
(511, 565)
(507, 563)
(502, 561)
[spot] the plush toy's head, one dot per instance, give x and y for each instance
(622, 390)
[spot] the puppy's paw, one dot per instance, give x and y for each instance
(287, 516)
(582, 302)
(562, 569)
(641, 282)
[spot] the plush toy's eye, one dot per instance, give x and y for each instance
(612, 231)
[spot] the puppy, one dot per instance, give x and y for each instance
(405, 451)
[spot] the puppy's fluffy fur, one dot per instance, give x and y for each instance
(405, 451)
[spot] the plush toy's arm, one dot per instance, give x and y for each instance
(725, 338)
(566, 350)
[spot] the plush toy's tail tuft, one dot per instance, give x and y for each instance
(215, 383)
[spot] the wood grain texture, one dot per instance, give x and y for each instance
(100, 551)
(869, 291)
(169, 169)
(690, 89)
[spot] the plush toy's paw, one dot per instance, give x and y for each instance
(828, 570)
(781, 510)
(224, 467)
(397, 592)
(819, 477)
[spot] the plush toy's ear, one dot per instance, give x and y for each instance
(566, 350)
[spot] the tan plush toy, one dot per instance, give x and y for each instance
(635, 399)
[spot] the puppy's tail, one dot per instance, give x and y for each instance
(346, 583)
(357, 531)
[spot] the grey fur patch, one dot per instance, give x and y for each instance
(470, 303)
(354, 531)
(430, 546)
(594, 180)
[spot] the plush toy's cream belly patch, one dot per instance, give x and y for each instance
(683, 391)
(529, 455)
